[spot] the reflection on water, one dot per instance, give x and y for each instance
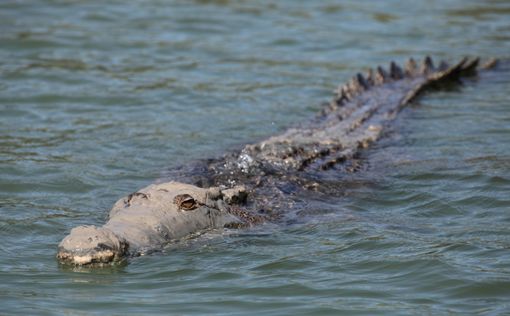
(98, 99)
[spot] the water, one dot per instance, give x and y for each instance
(99, 98)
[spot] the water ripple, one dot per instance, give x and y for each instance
(97, 98)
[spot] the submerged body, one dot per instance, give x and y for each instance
(268, 172)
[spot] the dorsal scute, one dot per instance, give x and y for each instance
(345, 93)
(395, 71)
(341, 96)
(411, 68)
(426, 70)
(471, 65)
(354, 86)
(370, 76)
(443, 65)
(427, 66)
(362, 82)
(381, 76)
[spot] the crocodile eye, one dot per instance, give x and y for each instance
(185, 202)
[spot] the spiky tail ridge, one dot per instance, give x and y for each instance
(435, 76)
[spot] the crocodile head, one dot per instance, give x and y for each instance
(147, 219)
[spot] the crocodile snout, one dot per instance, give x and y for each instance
(91, 245)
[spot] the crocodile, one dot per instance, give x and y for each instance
(258, 183)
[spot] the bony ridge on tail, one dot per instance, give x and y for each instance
(148, 219)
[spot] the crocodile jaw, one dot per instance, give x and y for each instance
(91, 245)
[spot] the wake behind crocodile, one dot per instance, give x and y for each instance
(265, 181)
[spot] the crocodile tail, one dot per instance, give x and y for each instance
(434, 77)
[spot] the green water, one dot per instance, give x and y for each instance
(99, 98)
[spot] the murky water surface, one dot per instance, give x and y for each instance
(99, 98)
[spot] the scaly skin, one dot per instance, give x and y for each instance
(148, 219)
(355, 118)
